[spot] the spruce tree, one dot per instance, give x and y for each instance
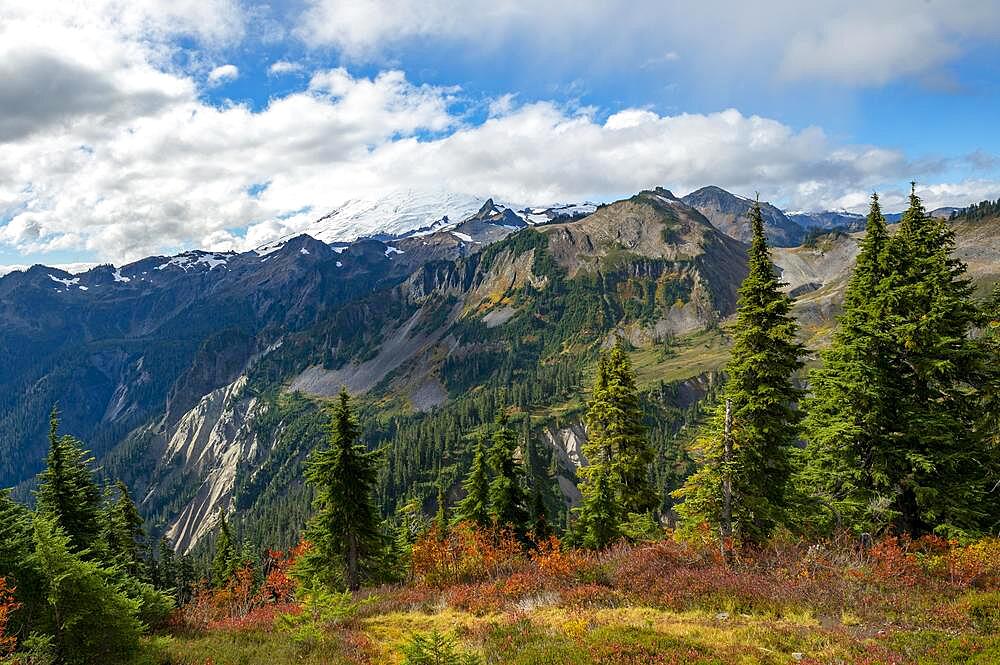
(934, 475)
(624, 432)
(90, 616)
(345, 528)
(18, 566)
(849, 412)
(475, 506)
(990, 406)
(539, 484)
(508, 503)
(224, 562)
(124, 534)
(599, 517)
(617, 440)
(763, 400)
(66, 488)
(166, 565)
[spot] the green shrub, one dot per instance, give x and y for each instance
(322, 611)
(435, 648)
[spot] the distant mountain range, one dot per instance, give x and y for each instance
(194, 376)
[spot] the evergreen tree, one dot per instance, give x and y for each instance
(619, 412)
(617, 478)
(224, 562)
(166, 566)
(539, 484)
(66, 488)
(754, 458)
(345, 527)
(88, 615)
(849, 412)
(990, 407)
(599, 519)
(475, 507)
(934, 474)
(616, 435)
(508, 503)
(124, 534)
(17, 564)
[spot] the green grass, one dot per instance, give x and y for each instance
(692, 355)
(628, 635)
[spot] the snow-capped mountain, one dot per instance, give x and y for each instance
(408, 213)
(394, 214)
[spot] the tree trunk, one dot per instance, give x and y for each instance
(726, 519)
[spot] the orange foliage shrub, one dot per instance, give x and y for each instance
(465, 554)
(241, 604)
(278, 584)
(7, 607)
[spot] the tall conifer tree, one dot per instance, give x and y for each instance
(66, 488)
(853, 391)
(345, 527)
(765, 419)
(934, 475)
(508, 502)
(224, 561)
(475, 506)
(616, 436)
(124, 534)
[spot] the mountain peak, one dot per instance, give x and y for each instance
(728, 213)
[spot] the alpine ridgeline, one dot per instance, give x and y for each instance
(200, 379)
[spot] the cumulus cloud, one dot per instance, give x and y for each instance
(122, 156)
(223, 73)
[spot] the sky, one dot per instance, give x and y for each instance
(134, 127)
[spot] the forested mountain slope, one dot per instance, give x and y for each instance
(200, 378)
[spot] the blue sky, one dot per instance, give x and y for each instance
(147, 127)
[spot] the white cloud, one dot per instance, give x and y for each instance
(223, 73)
(853, 42)
(124, 158)
(284, 67)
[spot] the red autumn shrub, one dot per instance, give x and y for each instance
(278, 585)
(240, 604)
(466, 553)
(7, 607)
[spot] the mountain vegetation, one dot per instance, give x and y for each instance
(476, 500)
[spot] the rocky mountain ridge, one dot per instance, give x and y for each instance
(179, 372)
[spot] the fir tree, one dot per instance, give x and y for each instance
(599, 515)
(539, 484)
(935, 471)
(66, 488)
(619, 456)
(224, 562)
(508, 504)
(990, 406)
(89, 616)
(17, 564)
(764, 417)
(847, 426)
(124, 534)
(345, 528)
(621, 427)
(166, 565)
(475, 506)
